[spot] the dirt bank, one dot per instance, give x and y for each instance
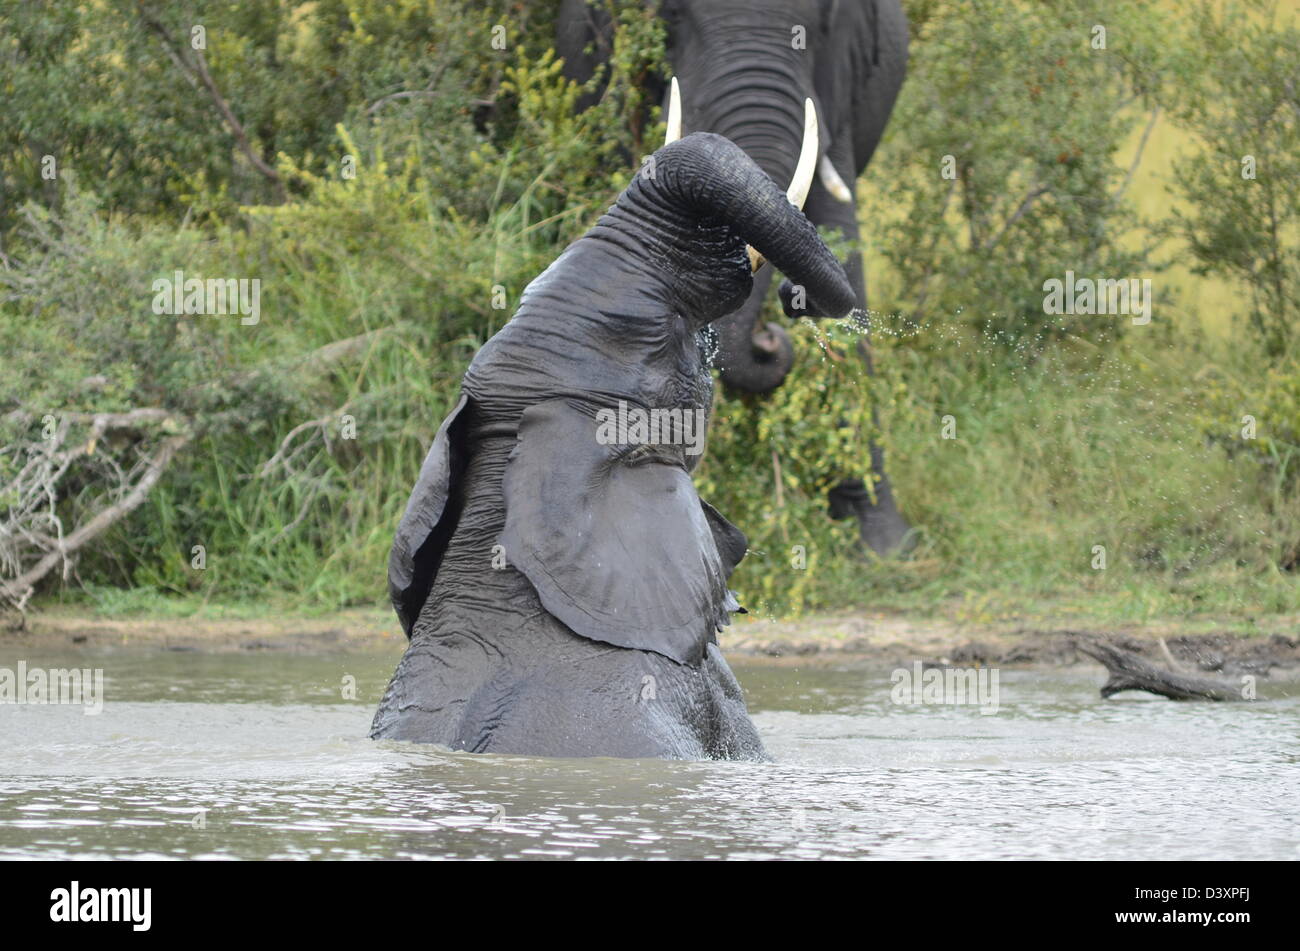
(900, 639)
(835, 638)
(357, 629)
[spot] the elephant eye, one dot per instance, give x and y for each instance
(638, 454)
(648, 454)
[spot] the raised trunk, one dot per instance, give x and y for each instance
(708, 179)
(755, 98)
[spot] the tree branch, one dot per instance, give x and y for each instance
(1137, 158)
(19, 589)
(1035, 193)
(198, 69)
(1128, 671)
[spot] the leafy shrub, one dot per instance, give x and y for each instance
(1241, 211)
(425, 177)
(998, 168)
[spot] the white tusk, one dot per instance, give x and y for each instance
(803, 172)
(834, 184)
(674, 115)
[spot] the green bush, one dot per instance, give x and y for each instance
(998, 167)
(1241, 216)
(399, 231)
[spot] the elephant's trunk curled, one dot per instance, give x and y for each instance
(707, 177)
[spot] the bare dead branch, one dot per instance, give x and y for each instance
(313, 361)
(318, 427)
(19, 589)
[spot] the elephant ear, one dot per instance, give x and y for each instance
(430, 519)
(620, 549)
(730, 541)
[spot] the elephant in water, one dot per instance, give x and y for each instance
(562, 589)
(751, 64)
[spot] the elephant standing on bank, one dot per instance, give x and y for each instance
(749, 65)
(562, 590)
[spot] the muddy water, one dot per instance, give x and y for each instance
(262, 756)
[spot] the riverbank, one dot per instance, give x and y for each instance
(1207, 644)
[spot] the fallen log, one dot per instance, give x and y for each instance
(30, 525)
(1129, 671)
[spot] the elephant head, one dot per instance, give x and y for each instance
(750, 65)
(612, 537)
(750, 68)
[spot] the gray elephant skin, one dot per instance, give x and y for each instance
(562, 595)
(746, 68)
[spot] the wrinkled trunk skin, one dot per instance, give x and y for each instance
(742, 79)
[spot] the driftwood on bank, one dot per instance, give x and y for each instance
(1130, 671)
(30, 525)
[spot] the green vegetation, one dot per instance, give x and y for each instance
(400, 170)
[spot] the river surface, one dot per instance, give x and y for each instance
(262, 756)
